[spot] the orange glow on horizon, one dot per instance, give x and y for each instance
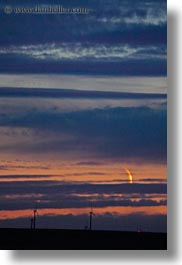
(114, 210)
(66, 171)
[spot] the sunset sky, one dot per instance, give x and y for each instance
(83, 102)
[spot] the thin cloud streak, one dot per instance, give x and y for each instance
(66, 51)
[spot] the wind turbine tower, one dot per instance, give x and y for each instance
(34, 217)
(91, 214)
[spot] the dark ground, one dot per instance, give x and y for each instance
(40, 239)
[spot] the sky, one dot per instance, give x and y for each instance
(83, 101)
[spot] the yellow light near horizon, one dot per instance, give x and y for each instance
(130, 176)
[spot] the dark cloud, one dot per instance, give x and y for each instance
(16, 167)
(3, 167)
(74, 93)
(25, 176)
(153, 180)
(63, 187)
(113, 133)
(126, 67)
(88, 163)
(55, 195)
(157, 180)
(74, 202)
(91, 173)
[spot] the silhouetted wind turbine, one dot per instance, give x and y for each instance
(91, 214)
(35, 213)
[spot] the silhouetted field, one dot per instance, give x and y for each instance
(26, 239)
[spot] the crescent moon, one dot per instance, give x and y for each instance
(130, 176)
